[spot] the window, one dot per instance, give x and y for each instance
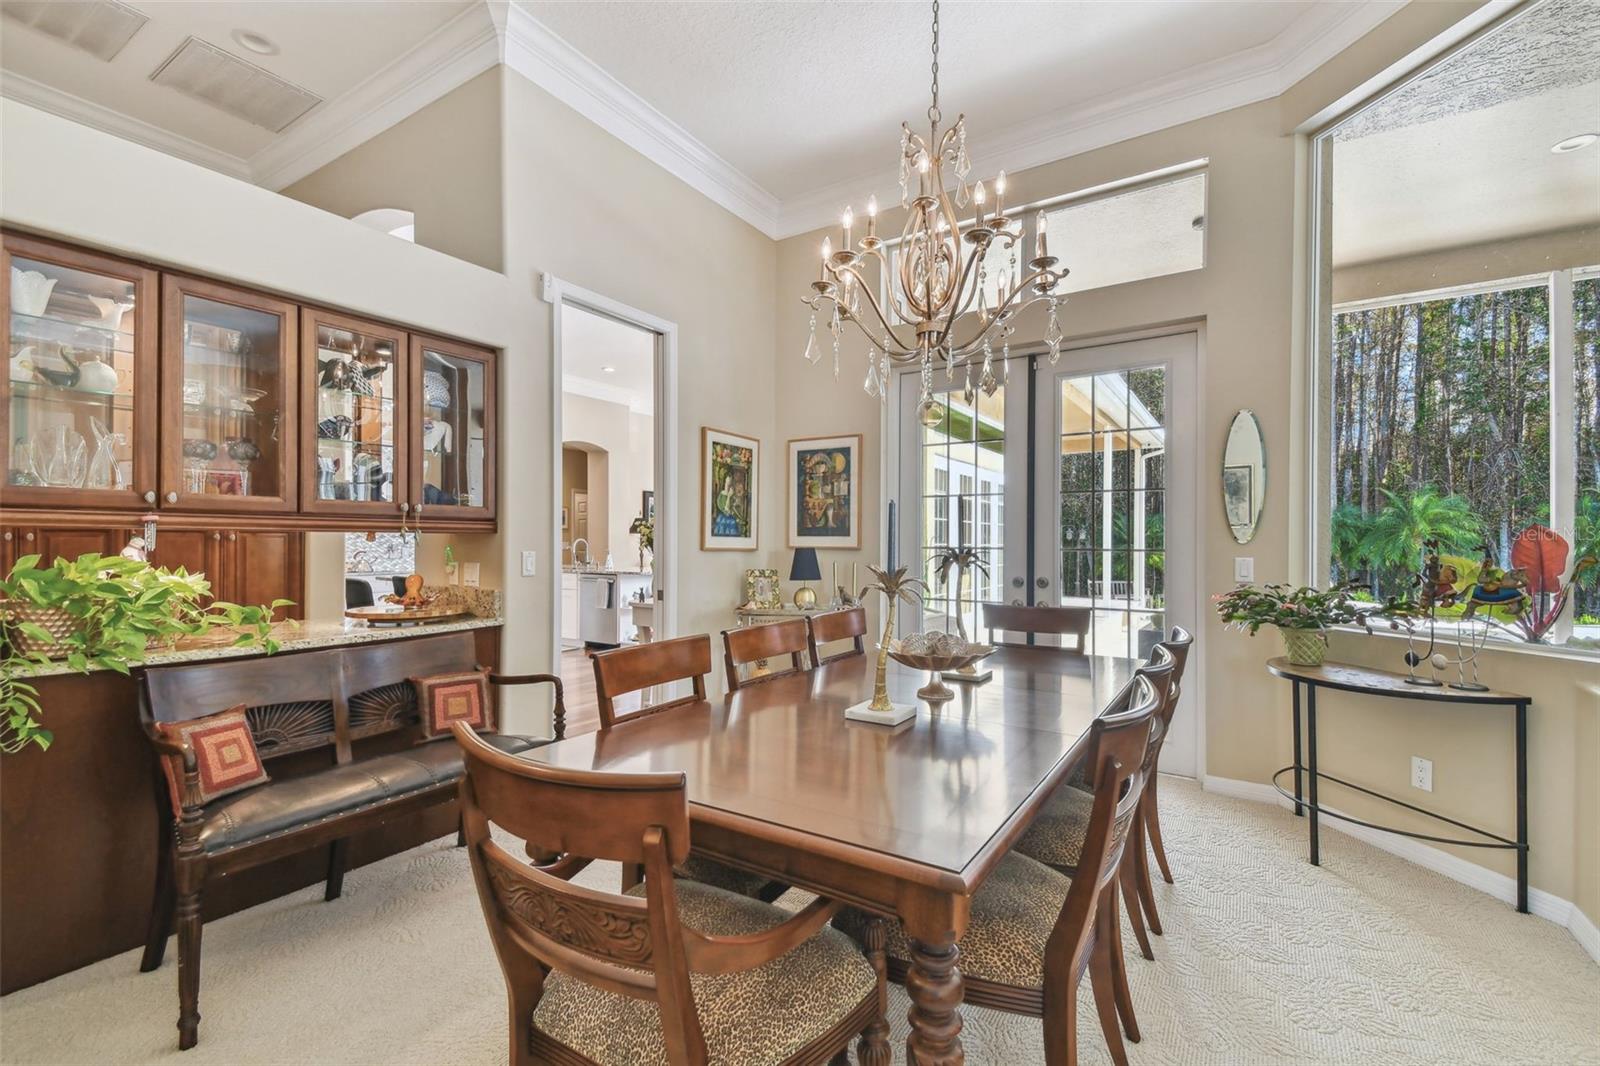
(963, 477)
(1445, 423)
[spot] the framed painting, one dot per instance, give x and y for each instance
(761, 589)
(825, 492)
(730, 465)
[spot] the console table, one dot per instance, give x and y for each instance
(1344, 678)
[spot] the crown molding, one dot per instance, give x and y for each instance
(555, 66)
(1247, 77)
(452, 55)
(25, 90)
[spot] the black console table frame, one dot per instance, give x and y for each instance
(1345, 678)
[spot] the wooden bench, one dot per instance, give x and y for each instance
(331, 700)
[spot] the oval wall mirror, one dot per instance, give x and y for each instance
(1244, 475)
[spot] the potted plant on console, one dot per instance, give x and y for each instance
(1302, 615)
(101, 613)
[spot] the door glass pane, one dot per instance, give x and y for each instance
(452, 407)
(233, 393)
(71, 377)
(356, 387)
(1111, 503)
(963, 479)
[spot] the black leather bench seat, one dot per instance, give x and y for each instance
(294, 802)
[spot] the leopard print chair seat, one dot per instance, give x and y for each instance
(1056, 836)
(773, 1013)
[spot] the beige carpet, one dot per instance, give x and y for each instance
(1266, 960)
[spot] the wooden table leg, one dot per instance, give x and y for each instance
(934, 985)
(873, 1047)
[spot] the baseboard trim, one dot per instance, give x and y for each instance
(1544, 904)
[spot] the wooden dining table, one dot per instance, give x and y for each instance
(904, 821)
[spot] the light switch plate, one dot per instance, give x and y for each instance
(469, 575)
(530, 564)
(1244, 568)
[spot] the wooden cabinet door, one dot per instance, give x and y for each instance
(355, 410)
(69, 543)
(198, 551)
(78, 421)
(260, 567)
(230, 398)
(453, 432)
(15, 542)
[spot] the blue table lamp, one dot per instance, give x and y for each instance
(805, 568)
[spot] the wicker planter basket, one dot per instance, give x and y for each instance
(53, 620)
(1305, 647)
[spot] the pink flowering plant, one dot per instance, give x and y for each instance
(1287, 607)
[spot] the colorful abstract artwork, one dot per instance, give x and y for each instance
(825, 492)
(729, 490)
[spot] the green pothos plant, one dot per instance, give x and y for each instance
(117, 611)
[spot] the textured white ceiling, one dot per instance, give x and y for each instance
(797, 95)
(1462, 155)
(326, 46)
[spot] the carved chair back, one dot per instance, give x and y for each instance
(1162, 672)
(756, 644)
(1178, 646)
(328, 698)
(849, 624)
(1060, 621)
(641, 666)
(538, 920)
(1117, 744)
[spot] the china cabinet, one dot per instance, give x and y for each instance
(78, 401)
(453, 404)
(216, 407)
(230, 391)
(354, 428)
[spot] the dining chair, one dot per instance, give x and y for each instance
(757, 644)
(1179, 645)
(1060, 621)
(849, 623)
(1057, 834)
(1032, 931)
(635, 668)
(357, 593)
(668, 971)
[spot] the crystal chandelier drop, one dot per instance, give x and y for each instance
(936, 303)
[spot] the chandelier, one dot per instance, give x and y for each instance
(935, 301)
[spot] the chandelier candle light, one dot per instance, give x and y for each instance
(936, 307)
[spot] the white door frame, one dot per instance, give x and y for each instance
(557, 293)
(890, 441)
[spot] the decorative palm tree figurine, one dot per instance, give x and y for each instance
(960, 560)
(895, 586)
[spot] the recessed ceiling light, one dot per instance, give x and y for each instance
(1573, 144)
(608, 370)
(255, 42)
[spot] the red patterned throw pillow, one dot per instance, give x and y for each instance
(224, 749)
(447, 698)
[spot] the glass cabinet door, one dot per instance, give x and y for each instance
(230, 397)
(77, 402)
(453, 431)
(354, 373)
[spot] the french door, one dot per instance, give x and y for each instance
(1066, 481)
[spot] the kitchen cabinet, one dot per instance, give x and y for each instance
(78, 422)
(355, 445)
(569, 610)
(52, 543)
(453, 434)
(230, 392)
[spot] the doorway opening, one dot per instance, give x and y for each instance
(615, 449)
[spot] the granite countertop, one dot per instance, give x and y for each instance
(603, 572)
(291, 636)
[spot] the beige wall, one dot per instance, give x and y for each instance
(1468, 265)
(596, 214)
(629, 468)
(442, 163)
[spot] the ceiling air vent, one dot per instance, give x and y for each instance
(242, 89)
(99, 27)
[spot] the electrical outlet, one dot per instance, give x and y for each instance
(530, 564)
(1422, 773)
(1244, 568)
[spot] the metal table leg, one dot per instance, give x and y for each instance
(1298, 810)
(1522, 808)
(1311, 768)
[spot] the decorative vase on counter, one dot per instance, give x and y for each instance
(1305, 647)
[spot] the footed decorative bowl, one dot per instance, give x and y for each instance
(937, 653)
